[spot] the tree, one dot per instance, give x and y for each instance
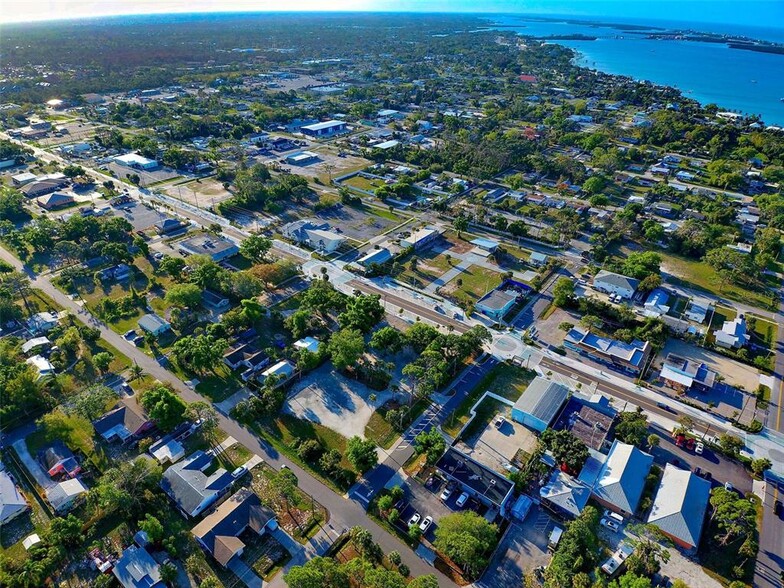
(346, 347)
(172, 266)
(431, 444)
(319, 572)
(591, 321)
(641, 264)
(760, 465)
(168, 573)
(205, 414)
(388, 339)
(461, 224)
(653, 440)
(200, 353)
(632, 427)
(163, 406)
(427, 581)
(65, 531)
(184, 295)
(567, 449)
(563, 292)
(735, 516)
(136, 371)
(467, 539)
(631, 580)
(518, 228)
(361, 453)
(649, 551)
(91, 402)
(153, 527)
(255, 248)
(578, 550)
(125, 488)
(594, 185)
(362, 313)
(102, 360)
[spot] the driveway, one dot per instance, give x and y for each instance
(244, 573)
(32, 465)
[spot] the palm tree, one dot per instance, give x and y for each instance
(136, 371)
(19, 284)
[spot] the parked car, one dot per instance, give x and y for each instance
(239, 472)
(461, 500)
(610, 524)
(777, 508)
(728, 487)
(446, 493)
(425, 524)
(698, 472)
(499, 422)
(414, 519)
(699, 448)
(690, 444)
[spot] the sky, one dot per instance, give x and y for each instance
(767, 12)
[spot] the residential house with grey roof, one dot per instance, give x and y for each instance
(621, 480)
(612, 283)
(137, 569)
(191, 489)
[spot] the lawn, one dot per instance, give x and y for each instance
(285, 431)
(76, 432)
(505, 380)
(766, 331)
(383, 433)
(484, 414)
(473, 284)
(429, 266)
(702, 276)
(363, 183)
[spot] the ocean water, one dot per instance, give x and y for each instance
(734, 79)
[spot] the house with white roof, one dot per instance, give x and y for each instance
(612, 283)
(732, 334)
(12, 503)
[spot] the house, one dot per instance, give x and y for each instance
(664, 209)
(64, 495)
(487, 245)
(621, 480)
(539, 404)
(314, 233)
(42, 322)
(152, 323)
(219, 533)
(375, 257)
(480, 483)
(307, 344)
(125, 422)
(656, 303)
(190, 488)
(628, 357)
(167, 450)
(12, 503)
(246, 355)
(565, 494)
(42, 365)
(43, 186)
(384, 145)
(684, 374)
(167, 226)
(214, 247)
(697, 311)
(214, 301)
(282, 370)
(136, 161)
(34, 344)
(680, 505)
(612, 283)
(537, 259)
(590, 419)
(55, 201)
(324, 129)
(23, 179)
(496, 303)
(422, 237)
(137, 569)
(732, 334)
(58, 460)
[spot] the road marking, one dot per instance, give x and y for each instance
(781, 396)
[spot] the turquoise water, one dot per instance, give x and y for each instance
(734, 79)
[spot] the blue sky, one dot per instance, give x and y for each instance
(760, 12)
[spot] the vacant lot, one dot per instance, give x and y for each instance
(429, 265)
(363, 183)
(201, 193)
(360, 223)
(472, 284)
(147, 177)
(328, 398)
(329, 166)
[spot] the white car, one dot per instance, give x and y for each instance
(414, 519)
(499, 422)
(461, 500)
(446, 493)
(425, 524)
(610, 524)
(699, 448)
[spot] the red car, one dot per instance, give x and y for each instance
(679, 440)
(690, 444)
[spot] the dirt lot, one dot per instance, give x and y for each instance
(329, 162)
(147, 177)
(202, 193)
(328, 398)
(734, 372)
(78, 132)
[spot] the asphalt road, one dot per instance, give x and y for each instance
(410, 306)
(344, 513)
(770, 559)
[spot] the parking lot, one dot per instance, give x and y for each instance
(141, 216)
(147, 177)
(495, 447)
(736, 373)
(522, 549)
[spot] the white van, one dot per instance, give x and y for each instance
(555, 538)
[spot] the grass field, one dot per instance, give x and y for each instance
(430, 265)
(383, 433)
(700, 275)
(363, 183)
(505, 380)
(472, 284)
